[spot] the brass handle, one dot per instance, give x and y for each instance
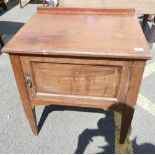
(28, 79)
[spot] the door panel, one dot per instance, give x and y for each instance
(69, 79)
(73, 79)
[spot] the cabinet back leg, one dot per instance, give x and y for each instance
(127, 116)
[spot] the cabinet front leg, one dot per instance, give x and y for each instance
(131, 97)
(19, 75)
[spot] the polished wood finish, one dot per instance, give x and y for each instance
(80, 57)
(145, 7)
(74, 38)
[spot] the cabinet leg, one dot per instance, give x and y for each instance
(131, 98)
(126, 122)
(34, 127)
(19, 75)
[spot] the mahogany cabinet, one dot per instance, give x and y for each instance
(80, 57)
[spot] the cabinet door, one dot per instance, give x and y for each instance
(76, 81)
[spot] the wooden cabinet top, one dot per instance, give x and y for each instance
(108, 33)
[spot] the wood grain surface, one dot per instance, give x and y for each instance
(110, 33)
(74, 80)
